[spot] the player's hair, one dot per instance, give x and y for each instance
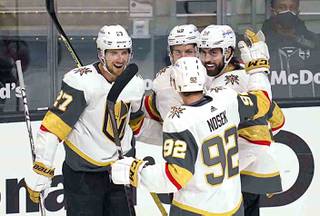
(171, 47)
(236, 62)
(273, 2)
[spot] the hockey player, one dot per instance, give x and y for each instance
(80, 119)
(182, 42)
(259, 172)
(200, 146)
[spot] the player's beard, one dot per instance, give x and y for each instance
(213, 69)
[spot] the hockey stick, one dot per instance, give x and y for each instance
(116, 89)
(51, 10)
(65, 39)
(29, 128)
(154, 196)
(112, 97)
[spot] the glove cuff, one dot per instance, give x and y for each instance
(257, 65)
(43, 170)
(34, 195)
(134, 171)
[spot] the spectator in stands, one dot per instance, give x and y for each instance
(293, 51)
(10, 51)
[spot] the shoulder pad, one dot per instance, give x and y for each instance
(162, 80)
(236, 71)
(78, 76)
(176, 111)
(161, 71)
(221, 91)
(216, 89)
(176, 119)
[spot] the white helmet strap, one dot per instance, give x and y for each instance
(226, 62)
(103, 61)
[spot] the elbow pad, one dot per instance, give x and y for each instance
(260, 81)
(155, 179)
(45, 147)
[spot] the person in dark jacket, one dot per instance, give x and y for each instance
(293, 52)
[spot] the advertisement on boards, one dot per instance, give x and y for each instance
(297, 151)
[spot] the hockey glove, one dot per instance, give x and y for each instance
(39, 181)
(127, 170)
(256, 55)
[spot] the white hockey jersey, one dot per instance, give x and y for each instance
(164, 96)
(201, 153)
(238, 80)
(156, 106)
(257, 131)
(80, 118)
(259, 171)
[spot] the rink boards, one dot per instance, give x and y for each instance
(297, 151)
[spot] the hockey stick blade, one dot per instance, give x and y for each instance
(121, 82)
(65, 39)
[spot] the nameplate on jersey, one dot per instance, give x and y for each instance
(121, 110)
(217, 121)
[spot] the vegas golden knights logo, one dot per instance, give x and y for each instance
(121, 112)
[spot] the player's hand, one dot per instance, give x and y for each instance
(39, 181)
(255, 54)
(127, 170)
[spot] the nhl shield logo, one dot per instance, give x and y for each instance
(121, 110)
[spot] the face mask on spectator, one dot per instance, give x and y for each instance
(287, 19)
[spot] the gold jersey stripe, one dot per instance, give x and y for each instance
(260, 175)
(256, 133)
(181, 175)
(151, 109)
(86, 157)
(136, 124)
(206, 213)
(263, 103)
(56, 125)
(277, 118)
(229, 68)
